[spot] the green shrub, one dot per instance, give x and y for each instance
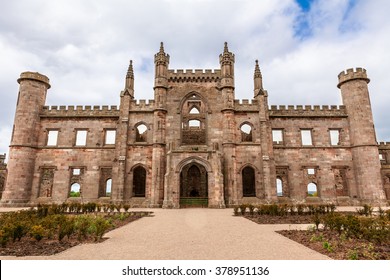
(243, 208)
(4, 237)
(37, 232)
(235, 210)
(98, 227)
(81, 226)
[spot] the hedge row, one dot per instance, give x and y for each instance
(283, 209)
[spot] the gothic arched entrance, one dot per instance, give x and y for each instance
(193, 186)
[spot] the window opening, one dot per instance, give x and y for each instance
(75, 190)
(312, 190)
(279, 187)
(194, 123)
(110, 137)
(277, 136)
(306, 137)
(52, 138)
(334, 137)
(194, 110)
(108, 187)
(81, 137)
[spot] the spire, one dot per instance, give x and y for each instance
(226, 59)
(130, 72)
(258, 80)
(129, 85)
(257, 70)
(162, 48)
(225, 49)
(161, 58)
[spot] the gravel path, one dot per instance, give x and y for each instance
(189, 234)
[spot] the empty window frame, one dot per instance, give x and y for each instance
(277, 136)
(246, 133)
(279, 187)
(108, 187)
(311, 171)
(382, 157)
(141, 133)
(75, 190)
(81, 137)
(306, 137)
(52, 137)
(194, 123)
(76, 171)
(194, 110)
(109, 136)
(312, 190)
(334, 135)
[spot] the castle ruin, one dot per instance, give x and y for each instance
(195, 143)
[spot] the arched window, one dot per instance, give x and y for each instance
(246, 133)
(141, 133)
(279, 187)
(108, 187)
(248, 182)
(139, 181)
(194, 123)
(312, 190)
(194, 110)
(75, 190)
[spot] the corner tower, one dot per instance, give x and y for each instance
(32, 97)
(355, 95)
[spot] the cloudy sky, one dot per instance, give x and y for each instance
(84, 48)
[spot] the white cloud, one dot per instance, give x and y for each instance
(84, 48)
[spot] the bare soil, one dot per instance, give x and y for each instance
(28, 246)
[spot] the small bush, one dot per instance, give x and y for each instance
(37, 232)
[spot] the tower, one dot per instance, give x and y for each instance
(355, 96)
(161, 61)
(268, 163)
(32, 96)
(226, 60)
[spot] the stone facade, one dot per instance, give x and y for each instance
(194, 140)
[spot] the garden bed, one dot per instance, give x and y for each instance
(46, 231)
(360, 235)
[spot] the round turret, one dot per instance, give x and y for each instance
(35, 76)
(351, 74)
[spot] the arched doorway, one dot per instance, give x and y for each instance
(139, 181)
(248, 182)
(193, 186)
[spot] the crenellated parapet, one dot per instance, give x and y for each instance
(384, 146)
(191, 75)
(246, 105)
(307, 111)
(352, 74)
(79, 111)
(142, 105)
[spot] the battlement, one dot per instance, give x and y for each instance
(142, 105)
(384, 145)
(197, 75)
(246, 105)
(80, 111)
(353, 74)
(307, 111)
(34, 76)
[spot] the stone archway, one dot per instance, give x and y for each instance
(193, 185)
